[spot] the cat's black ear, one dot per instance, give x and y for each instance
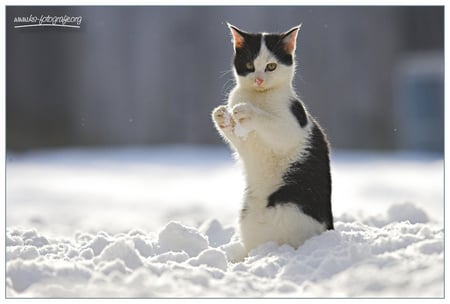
(238, 36)
(290, 39)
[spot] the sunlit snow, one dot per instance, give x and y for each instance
(161, 222)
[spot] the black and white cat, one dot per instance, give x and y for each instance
(283, 150)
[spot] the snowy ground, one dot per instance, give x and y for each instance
(160, 222)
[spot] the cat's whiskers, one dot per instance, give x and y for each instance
(228, 86)
(223, 73)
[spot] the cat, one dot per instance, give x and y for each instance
(283, 150)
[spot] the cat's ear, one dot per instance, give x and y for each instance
(290, 39)
(238, 36)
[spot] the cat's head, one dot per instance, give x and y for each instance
(264, 61)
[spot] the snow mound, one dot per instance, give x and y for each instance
(403, 258)
(406, 211)
(176, 237)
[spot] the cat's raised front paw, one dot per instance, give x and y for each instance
(222, 117)
(242, 113)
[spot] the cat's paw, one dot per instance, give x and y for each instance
(243, 113)
(222, 117)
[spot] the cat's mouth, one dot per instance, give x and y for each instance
(261, 88)
(260, 85)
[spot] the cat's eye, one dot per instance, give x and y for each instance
(250, 66)
(271, 66)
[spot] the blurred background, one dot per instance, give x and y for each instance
(372, 76)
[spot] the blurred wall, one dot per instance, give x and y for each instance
(148, 75)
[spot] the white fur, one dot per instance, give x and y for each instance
(283, 224)
(273, 142)
(241, 131)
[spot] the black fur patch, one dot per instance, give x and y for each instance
(247, 53)
(274, 43)
(299, 112)
(248, 193)
(243, 214)
(307, 183)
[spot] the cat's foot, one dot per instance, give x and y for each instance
(222, 117)
(243, 113)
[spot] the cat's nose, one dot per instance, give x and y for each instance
(259, 81)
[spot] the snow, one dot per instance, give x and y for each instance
(161, 222)
(176, 237)
(241, 131)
